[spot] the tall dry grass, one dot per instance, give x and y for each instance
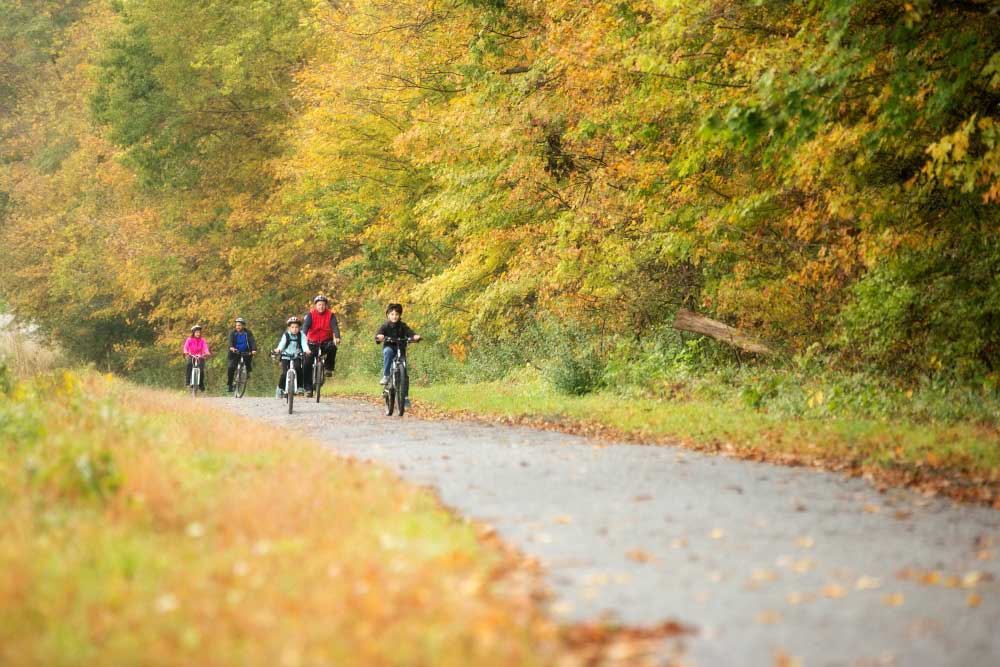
(143, 528)
(21, 352)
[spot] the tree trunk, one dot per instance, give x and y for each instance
(687, 320)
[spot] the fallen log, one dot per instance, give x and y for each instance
(687, 320)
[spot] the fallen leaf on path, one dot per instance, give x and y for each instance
(639, 556)
(796, 598)
(564, 519)
(769, 617)
(804, 565)
(763, 575)
(678, 543)
(782, 659)
(717, 534)
(892, 599)
(867, 583)
(834, 591)
(972, 578)
(872, 509)
(805, 542)
(973, 600)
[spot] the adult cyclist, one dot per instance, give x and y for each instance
(241, 342)
(322, 333)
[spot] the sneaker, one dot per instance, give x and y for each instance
(300, 392)
(309, 394)
(384, 380)
(230, 389)
(328, 374)
(278, 393)
(406, 403)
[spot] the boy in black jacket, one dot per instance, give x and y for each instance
(241, 341)
(392, 328)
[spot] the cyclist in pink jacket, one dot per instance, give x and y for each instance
(195, 349)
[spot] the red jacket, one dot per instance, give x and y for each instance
(320, 327)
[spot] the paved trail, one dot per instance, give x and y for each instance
(761, 559)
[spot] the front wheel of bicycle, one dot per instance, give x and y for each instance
(241, 382)
(390, 400)
(195, 380)
(317, 377)
(400, 392)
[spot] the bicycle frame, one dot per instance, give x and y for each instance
(397, 385)
(197, 366)
(240, 374)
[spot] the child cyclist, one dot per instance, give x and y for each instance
(396, 328)
(241, 341)
(195, 347)
(291, 346)
(322, 333)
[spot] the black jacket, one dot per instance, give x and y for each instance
(397, 330)
(250, 340)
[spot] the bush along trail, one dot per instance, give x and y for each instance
(137, 527)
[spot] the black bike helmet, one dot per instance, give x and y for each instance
(394, 306)
(320, 297)
(292, 320)
(239, 320)
(196, 327)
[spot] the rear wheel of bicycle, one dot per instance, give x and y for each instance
(390, 400)
(400, 391)
(241, 381)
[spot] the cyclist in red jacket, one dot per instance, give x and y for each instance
(322, 333)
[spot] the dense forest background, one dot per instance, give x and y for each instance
(520, 173)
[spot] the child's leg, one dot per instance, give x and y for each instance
(284, 372)
(306, 377)
(388, 355)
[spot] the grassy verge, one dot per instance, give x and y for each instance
(139, 527)
(959, 459)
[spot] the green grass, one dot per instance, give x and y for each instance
(725, 421)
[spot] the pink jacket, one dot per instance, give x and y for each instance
(196, 346)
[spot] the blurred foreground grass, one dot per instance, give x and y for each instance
(137, 527)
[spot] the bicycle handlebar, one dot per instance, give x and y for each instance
(386, 339)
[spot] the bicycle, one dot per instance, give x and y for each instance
(397, 387)
(197, 367)
(291, 379)
(241, 376)
(318, 369)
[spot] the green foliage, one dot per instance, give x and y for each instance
(6, 378)
(815, 173)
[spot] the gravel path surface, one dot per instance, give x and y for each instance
(765, 561)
